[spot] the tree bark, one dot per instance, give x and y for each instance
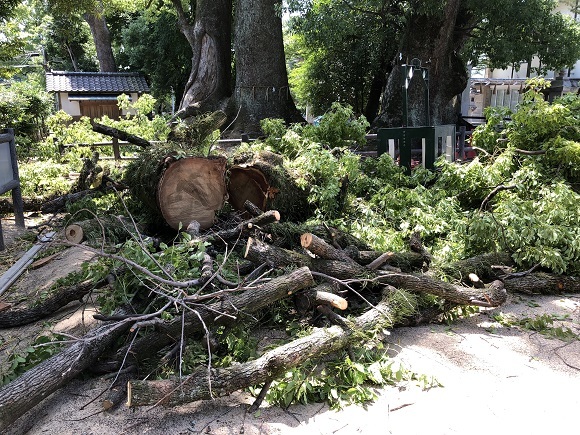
(481, 265)
(218, 382)
(492, 296)
(210, 40)
(19, 317)
(102, 39)
(261, 89)
(28, 390)
(542, 284)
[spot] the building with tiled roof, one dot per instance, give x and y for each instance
(94, 94)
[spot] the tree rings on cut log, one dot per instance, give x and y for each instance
(192, 188)
(74, 234)
(247, 184)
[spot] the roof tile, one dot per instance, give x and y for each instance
(63, 81)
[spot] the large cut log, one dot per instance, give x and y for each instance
(263, 179)
(192, 189)
(178, 190)
(227, 310)
(542, 283)
(218, 382)
(39, 382)
(492, 296)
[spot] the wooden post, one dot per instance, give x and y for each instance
(116, 150)
(2, 246)
(462, 142)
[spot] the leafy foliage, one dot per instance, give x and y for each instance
(343, 381)
(41, 349)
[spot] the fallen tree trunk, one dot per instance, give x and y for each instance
(542, 284)
(28, 390)
(218, 382)
(120, 134)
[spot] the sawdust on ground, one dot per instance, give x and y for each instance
(494, 379)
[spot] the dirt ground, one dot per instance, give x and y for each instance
(495, 379)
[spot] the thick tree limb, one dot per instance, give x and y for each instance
(12, 318)
(120, 134)
(239, 305)
(260, 252)
(543, 283)
(270, 365)
(492, 296)
(481, 265)
(406, 261)
(324, 250)
(44, 379)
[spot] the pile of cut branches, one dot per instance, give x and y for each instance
(378, 250)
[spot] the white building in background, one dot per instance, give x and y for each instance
(503, 87)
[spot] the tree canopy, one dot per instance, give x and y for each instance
(342, 48)
(342, 51)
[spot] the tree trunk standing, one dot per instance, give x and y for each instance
(261, 89)
(435, 41)
(210, 40)
(102, 39)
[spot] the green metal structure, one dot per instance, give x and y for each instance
(404, 142)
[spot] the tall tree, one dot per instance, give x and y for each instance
(444, 35)
(93, 12)
(261, 84)
(210, 39)
(431, 37)
(96, 20)
(261, 89)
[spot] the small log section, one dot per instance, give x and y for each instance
(192, 188)
(269, 366)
